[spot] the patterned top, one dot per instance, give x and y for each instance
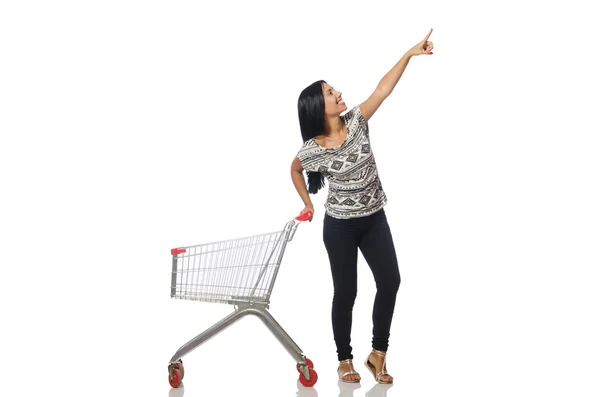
(354, 186)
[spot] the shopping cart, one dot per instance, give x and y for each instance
(239, 272)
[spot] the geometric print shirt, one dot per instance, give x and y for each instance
(355, 189)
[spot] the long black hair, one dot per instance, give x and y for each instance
(311, 113)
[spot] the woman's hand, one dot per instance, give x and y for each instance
(423, 47)
(307, 209)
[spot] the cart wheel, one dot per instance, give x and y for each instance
(179, 366)
(313, 378)
(175, 380)
(308, 362)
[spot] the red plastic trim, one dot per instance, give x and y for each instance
(177, 251)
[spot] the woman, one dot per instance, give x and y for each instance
(337, 147)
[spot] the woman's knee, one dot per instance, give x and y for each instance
(344, 295)
(390, 284)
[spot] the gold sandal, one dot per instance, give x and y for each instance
(351, 372)
(373, 370)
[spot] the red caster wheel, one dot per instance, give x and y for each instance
(175, 378)
(313, 378)
(308, 362)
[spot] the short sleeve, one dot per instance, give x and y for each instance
(349, 115)
(361, 120)
(306, 156)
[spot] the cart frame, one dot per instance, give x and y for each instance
(251, 298)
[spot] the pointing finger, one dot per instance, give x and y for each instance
(429, 34)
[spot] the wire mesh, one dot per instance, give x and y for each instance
(239, 270)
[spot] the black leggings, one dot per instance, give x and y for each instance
(342, 238)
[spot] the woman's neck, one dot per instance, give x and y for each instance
(334, 126)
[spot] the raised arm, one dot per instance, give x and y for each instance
(389, 81)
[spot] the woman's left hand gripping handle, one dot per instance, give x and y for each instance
(306, 214)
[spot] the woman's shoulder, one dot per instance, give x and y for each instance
(309, 143)
(349, 114)
(355, 121)
(309, 154)
(308, 148)
(353, 114)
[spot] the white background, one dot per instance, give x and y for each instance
(132, 127)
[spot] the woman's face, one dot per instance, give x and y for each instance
(334, 105)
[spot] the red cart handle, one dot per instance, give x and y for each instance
(304, 217)
(177, 251)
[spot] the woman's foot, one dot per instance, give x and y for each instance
(346, 372)
(376, 365)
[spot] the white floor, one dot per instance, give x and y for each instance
(342, 390)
